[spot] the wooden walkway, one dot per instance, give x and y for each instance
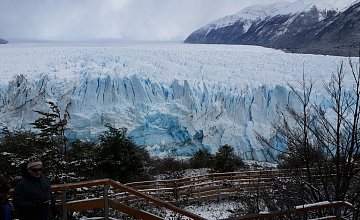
(131, 198)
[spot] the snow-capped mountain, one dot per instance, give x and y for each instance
(286, 25)
(173, 98)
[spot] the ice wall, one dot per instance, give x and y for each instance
(177, 118)
(173, 98)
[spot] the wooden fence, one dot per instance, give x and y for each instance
(107, 200)
(216, 186)
(303, 211)
(107, 194)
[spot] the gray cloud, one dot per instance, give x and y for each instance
(111, 19)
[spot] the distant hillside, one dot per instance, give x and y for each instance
(2, 41)
(339, 35)
(295, 27)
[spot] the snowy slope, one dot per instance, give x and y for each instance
(250, 13)
(173, 98)
(306, 5)
(261, 11)
(303, 26)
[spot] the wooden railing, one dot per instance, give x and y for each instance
(107, 194)
(164, 193)
(107, 200)
(300, 210)
(216, 186)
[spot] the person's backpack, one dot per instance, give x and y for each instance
(5, 211)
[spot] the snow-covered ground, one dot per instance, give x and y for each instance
(214, 210)
(173, 97)
(237, 65)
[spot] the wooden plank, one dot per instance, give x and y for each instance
(90, 183)
(87, 204)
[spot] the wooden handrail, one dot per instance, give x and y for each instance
(248, 181)
(99, 203)
(86, 204)
(156, 201)
(90, 183)
(90, 204)
(232, 175)
(211, 186)
(298, 209)
(133, 212)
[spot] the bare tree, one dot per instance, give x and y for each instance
(324, 141)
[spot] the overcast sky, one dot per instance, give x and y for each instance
(111, 19)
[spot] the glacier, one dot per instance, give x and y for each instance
(173, 98)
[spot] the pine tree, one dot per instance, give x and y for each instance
(118, 157)
(226, 160)
(15, 148)
(201, 159)
(81, 158)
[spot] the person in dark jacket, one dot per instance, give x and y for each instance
(5, 207)
(32, 195)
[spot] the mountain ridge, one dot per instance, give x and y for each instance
(302, 31)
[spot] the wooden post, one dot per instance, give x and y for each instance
(337, 211)
(64, 205)
(176, 193)
(218, 192)
(106, 202)
(157, 190)
(199, 196)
